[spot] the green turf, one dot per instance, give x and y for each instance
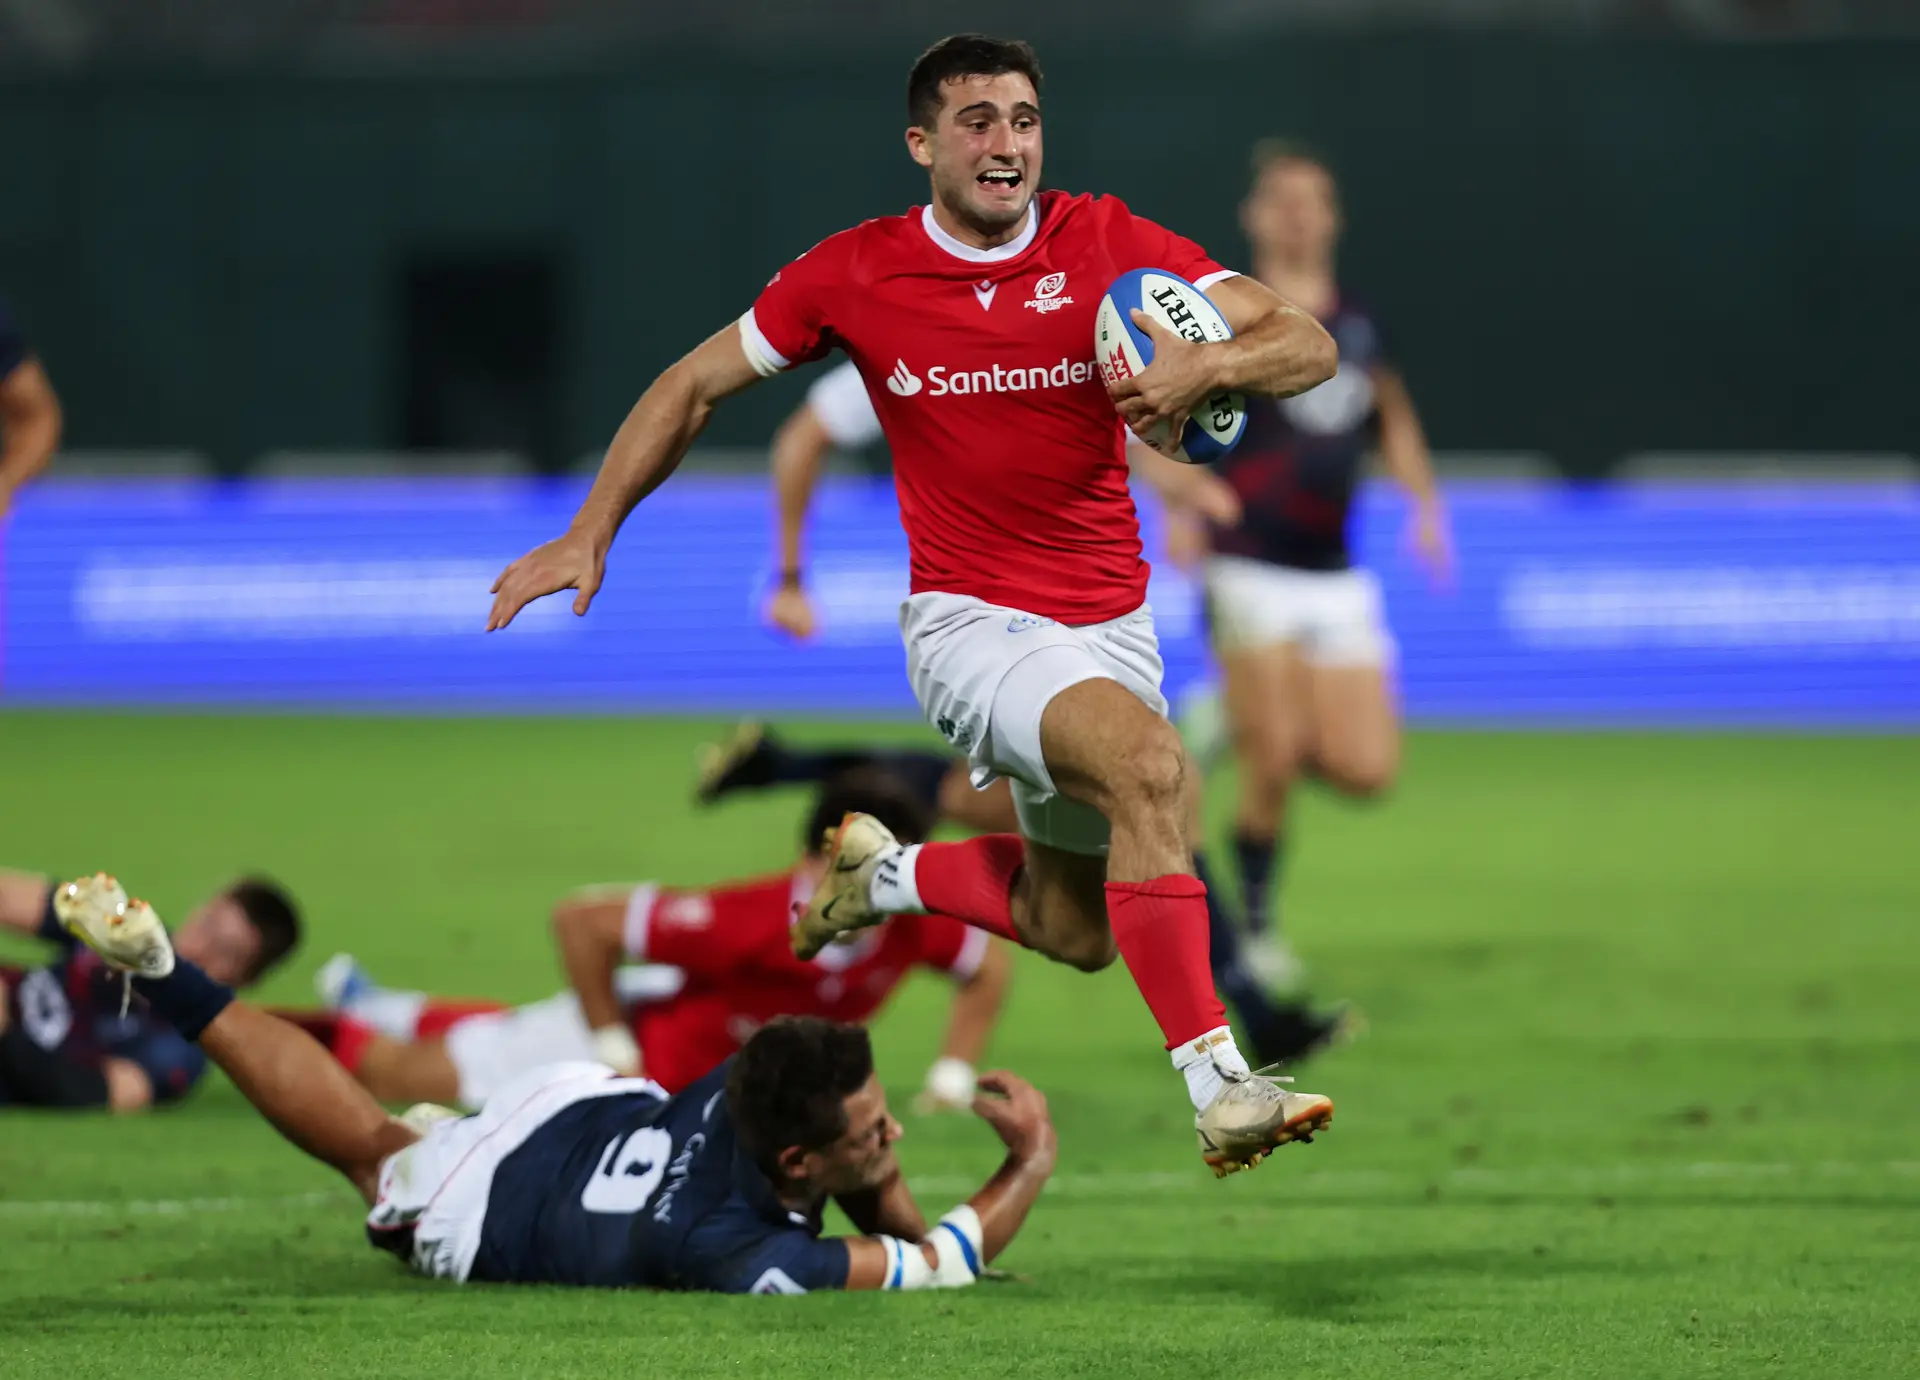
(1639, 1097)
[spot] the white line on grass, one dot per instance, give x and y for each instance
(167, 1207)
(1096, 1184)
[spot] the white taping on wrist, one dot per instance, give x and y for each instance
(955, 1239)
(951, 1080)
(613, 1046)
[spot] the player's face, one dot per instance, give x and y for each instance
(220, 939)
(1293, 212)
(863, 1157)
(983, 151)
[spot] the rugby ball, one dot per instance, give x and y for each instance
(1123, 350)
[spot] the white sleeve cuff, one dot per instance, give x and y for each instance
(842, 407)
(766, 360)
(639, 918)
(1221, 276)
(973, 951)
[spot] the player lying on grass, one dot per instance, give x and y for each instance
(68, 1035)
(1281, 1031)
(721, 965)
(573, 1175)
(1029, 641)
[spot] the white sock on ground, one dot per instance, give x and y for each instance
(394, 1014)
(895, 887)
(1201, 1060)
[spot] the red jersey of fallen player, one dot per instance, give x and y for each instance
(734, 946)
(1008, 455)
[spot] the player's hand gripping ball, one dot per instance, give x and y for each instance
(1123, 350)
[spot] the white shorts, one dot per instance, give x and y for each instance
(984, 674)
(439, 1185)
(1335, 617)
(490, 1051)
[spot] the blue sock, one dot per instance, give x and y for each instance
(1257, 858)
(186, 999)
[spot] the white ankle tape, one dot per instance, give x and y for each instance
(896, 883)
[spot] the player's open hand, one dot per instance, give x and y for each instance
(1156, 401)
(791, 611)
(1431, 536)
(1017, 1111)
(571, 561)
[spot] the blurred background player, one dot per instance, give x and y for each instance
(837, 415)
(29, 411)
(720, 965)
(69, 1038)
(754, 757)
(1305, 655)
(581, 1177)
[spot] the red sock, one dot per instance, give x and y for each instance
(436, 1016)
(972, 881)
(350, 1041)
(324, 1026)
(1160, 927)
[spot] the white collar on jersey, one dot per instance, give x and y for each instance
(999, 253)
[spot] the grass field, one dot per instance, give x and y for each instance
(1639, 1097)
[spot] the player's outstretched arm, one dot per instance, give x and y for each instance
(970, 1021)
(589, 929)
(30, 423)
(974, 1234)
(798, 449)
(645, 451)
(1403, 450)
(889, 1210)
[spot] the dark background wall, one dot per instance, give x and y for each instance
(1583, 248)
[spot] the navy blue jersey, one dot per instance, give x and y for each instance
(1298, 464)
(13, 345)
(72, 1007)
(637, 1190)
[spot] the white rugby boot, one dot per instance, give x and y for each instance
(422, 1117)
(843, 902)
(126, 933)
(1251, 1116)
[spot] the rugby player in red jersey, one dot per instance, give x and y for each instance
(719, 965)
(1029, 643)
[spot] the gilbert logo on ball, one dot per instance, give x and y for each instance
(1123, 350)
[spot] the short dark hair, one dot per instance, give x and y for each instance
(964, 55)
(789, 1085)
(274, 917)
(1268, 153)
(869, 791)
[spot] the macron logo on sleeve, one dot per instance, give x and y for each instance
(903, 382)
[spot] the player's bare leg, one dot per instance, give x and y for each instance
(1267, 696)
(397, 1071)
(298, 1087)
(1353, 742)
(290, 1080)
(1106, 748)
